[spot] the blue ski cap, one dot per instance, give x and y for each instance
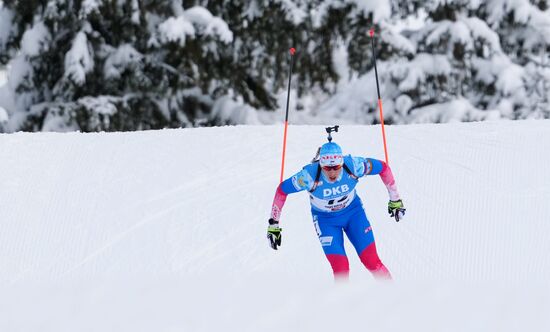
(331, 155)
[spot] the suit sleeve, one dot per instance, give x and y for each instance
(296, 183)
(369, 166)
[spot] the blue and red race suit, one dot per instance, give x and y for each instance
(336, 208)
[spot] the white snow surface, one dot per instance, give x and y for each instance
(165, 231)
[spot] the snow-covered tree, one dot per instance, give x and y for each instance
(139, 64)
(113, 65)
(264, 30)
(142, 64)
(486, 54)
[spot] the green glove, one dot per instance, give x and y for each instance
(274, 234)
(396, 209)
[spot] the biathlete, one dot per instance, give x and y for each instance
(336, 208)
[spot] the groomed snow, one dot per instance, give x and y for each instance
(165, 231)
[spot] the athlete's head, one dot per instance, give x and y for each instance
(331, 160)
(330, 156)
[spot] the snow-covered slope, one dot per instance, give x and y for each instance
(165, 231)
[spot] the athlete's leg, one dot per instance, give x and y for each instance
(372, 262)
(359, 231)
(340, 266)
(332, 241)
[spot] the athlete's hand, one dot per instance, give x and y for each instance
(396, 209)
(274, 234)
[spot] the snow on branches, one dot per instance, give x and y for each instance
(193, 23)
(79, 59)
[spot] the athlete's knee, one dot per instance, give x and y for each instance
(339, 264)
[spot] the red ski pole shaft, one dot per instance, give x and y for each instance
(379, 98)
(292, 51)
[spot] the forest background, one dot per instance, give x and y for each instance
(124, 65)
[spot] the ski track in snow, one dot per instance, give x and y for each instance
(165, 230)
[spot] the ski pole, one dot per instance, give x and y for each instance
(292, 51)
(379, 98)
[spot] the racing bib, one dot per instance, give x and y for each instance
(334, 203)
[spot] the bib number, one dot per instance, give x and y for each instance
(334, 204)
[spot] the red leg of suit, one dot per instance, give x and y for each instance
(340, 266)
(369, 257)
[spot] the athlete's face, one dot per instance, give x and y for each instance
(332, 172)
